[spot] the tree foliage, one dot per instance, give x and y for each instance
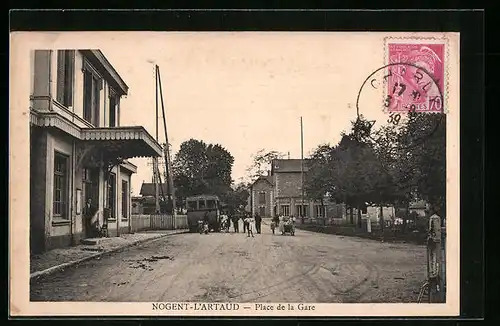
(390, 165)
(261, 162)
(201, 168)
(236, 199)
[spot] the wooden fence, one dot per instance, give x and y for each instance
(158, 222)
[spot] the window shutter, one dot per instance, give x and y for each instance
(117, 114)
(60, 76)
(70, 73)
(87, 97)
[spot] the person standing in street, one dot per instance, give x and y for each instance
(245, 224)
(236, 222)
(249, 221)
(258, 221)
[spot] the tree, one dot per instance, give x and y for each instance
(425, 140)
(357, 176)
(236, 197)
(261, 162)
(318, 178)
(202, 168)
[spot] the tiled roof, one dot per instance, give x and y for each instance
(268, 178)
(148, 189)
(290, 165)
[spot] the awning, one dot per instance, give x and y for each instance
(102, 144)
(123, 142)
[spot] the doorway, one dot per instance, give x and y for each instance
(90, 191)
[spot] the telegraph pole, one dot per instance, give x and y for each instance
(155, 160)
(168, 165)
(302, 169)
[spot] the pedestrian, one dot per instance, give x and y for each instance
(89, 212)
(236, 221)
(245, 224)
(249, 221)
(258, 221)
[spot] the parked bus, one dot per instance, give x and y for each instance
(201, 205)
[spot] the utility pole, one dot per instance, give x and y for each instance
(155, 160)
(168, 165)
(302, 169)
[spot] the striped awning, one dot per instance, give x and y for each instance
(119, 142)
(124, 142)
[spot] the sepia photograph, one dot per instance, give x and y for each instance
(235, 173)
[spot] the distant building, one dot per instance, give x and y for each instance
(78, 150)
(147, 203)
(279, 192)
(262, 196)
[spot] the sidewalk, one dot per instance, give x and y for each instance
(57, 259)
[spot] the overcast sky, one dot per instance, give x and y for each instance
(245, 91)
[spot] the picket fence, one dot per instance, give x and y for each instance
(158, 222)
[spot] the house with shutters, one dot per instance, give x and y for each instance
(78, 147)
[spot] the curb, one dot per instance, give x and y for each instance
(57, 268)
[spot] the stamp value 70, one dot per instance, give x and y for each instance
(415, 77)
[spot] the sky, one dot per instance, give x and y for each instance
(244, 91)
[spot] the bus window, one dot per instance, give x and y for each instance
(211, 203)
(192, 205)
(201, 204)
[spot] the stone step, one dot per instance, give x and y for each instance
(94, 241)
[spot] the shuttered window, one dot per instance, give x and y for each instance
(65, 76)
(113, 106)
(92, 85)
(124, 199)
(112, 195)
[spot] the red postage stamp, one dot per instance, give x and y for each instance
(415, 77)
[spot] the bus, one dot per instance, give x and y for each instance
(201, 205)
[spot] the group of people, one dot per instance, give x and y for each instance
(279, 222)
(250, 224)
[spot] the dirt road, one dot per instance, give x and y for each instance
(229, 267)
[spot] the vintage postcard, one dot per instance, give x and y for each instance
(234, 174)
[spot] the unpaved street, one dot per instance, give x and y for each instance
(307, 267)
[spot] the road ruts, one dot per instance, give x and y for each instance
(229, 267)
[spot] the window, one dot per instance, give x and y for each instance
(65, 73)
(113, 106)
(319, 211)
(124, 199)
(262, 210)
(285, 210)
(192, 205)
(211, 203)
(302, 210)
(92, 85)
(201, 204)
(112, 195)
(262, 197)
(60, 199)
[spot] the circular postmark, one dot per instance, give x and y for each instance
(393, 91)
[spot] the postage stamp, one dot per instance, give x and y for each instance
(416, 77)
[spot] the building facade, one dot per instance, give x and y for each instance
(78, 150)
(262, 196)
(280, 193)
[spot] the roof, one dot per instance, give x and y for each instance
(97, 58)
(268, 178)
(288, 165)
(201, 197)
(148, 189)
